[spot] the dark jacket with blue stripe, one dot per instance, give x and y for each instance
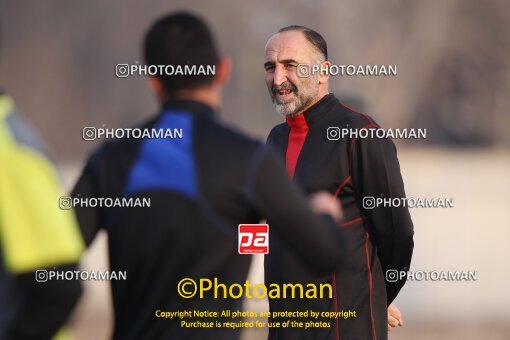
(201, 188)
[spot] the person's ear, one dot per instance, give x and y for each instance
(324, 76)
(156, 86)
(223, 70)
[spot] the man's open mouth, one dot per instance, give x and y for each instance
(284, 93)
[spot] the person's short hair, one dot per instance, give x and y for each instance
(313, 37)
(181, 39)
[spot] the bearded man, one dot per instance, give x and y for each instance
(353, 170)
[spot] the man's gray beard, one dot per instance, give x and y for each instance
(290, 108)
(304, 97)
(294, 107)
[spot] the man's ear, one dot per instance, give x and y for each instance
(223, 70)
(156, 86)
(324, 77)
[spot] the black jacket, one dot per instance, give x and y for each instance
(380, 239)
(201, 188)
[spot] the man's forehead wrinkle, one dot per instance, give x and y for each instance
(286, 54)
(285, 46)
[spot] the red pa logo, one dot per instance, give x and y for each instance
(253, 239)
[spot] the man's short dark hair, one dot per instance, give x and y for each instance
(181, 39)
(312, 36)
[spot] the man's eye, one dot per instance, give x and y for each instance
(269, 68)
(290, 66)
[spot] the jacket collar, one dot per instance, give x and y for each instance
(189, 106)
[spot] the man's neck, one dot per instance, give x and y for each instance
(208, 97)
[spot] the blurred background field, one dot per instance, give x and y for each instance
(57, 59)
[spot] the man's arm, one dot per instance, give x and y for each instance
(34, 235)
(87, 187)
(376, 173)
(43, 306)
(318, 239)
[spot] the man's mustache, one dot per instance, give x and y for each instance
(284, 86)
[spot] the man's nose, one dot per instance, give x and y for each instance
(280, 76)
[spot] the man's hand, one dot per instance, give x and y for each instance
(394, 317)
(323, 202)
